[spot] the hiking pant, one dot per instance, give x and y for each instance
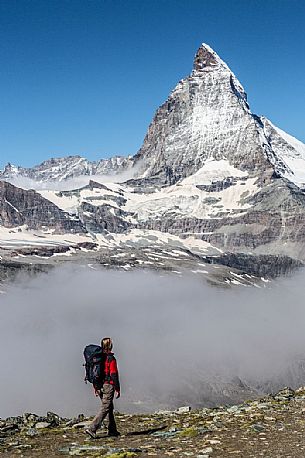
(106, 395)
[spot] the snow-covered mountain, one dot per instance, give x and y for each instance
(207, 117)
(66, 168)
(210, 178)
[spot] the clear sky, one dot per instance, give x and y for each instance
(86, 76)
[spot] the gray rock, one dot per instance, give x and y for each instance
(32, 432)
(285, 394)
(53, 418)
(206, 451)
(184, 409)
(42, 425)
(257, 427)
(76, 450)
(79, 425)
(30, 418)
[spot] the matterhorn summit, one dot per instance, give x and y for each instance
(211, 179)
(206, 117)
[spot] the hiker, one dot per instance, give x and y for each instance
(111, 386)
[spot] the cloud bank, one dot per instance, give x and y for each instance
(173, 338)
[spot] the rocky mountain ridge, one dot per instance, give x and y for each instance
(65, 168)
(211, 176)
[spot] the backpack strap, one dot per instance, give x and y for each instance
(108, 360)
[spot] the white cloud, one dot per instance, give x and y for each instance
(169, 333)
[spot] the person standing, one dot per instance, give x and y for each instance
(111, 387)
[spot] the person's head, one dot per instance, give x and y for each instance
(106, 344)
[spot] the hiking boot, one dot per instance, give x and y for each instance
(90, 433)
(113, 434)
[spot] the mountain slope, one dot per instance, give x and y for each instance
(289, 153)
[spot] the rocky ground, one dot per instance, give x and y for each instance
(269, 427)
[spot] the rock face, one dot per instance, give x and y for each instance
(20, 207)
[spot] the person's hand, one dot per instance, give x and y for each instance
(97, 392)
(117, 394)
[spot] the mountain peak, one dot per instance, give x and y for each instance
(206, 57)
(11, 168)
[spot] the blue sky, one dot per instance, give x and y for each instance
(85, 77)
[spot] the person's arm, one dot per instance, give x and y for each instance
(114, 376)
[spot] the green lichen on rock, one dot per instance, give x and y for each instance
(122, 455)
(189, 432)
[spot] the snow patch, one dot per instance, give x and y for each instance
(213, 171)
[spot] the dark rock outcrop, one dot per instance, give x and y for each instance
(260, 266)
(103, 218)
(20, 207)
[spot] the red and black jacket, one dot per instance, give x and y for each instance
(111, 373)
